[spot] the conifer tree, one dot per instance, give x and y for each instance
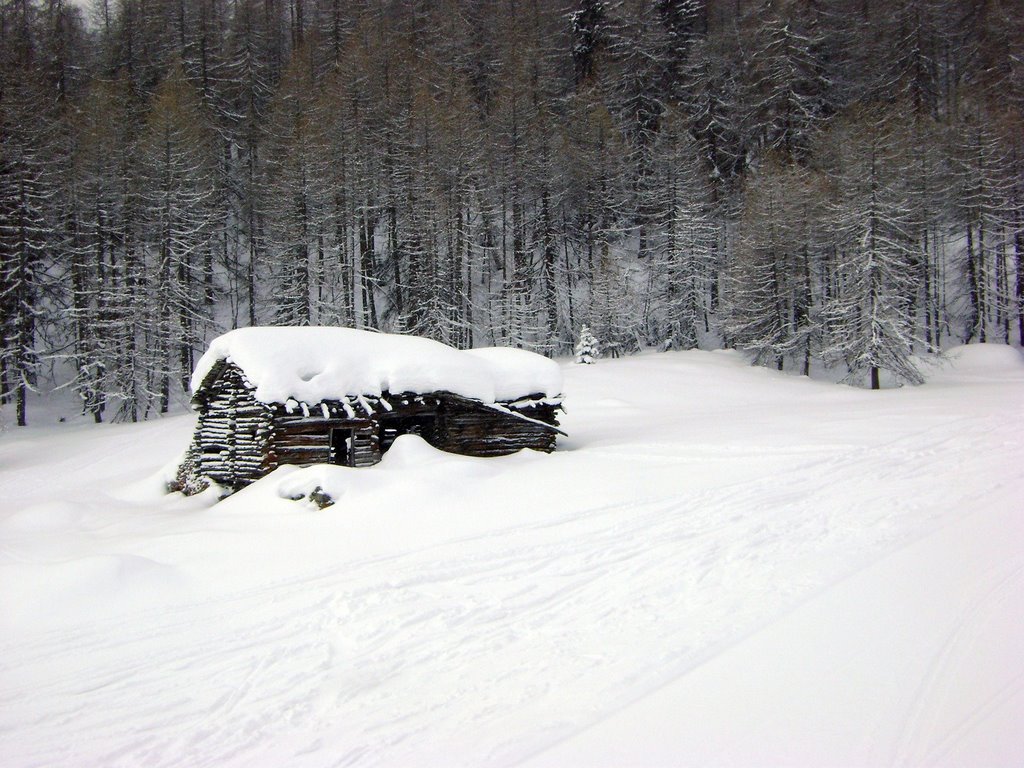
(106, 276)
(177, 189)
(26, 240)
(785, 93)
(29, 240)
(587, 350)
(684, 258)
(487, 172)
(773, 310)
(868, 319)
(249, 83)
(292, 199)
(983, 201)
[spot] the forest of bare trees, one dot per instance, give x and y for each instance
(816, 182)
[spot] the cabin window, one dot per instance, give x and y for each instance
(422, 424)
(341, 447)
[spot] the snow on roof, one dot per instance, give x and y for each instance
(313, 364)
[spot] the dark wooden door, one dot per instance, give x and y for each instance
(341, 446)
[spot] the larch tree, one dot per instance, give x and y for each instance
(760, 318)
(487, 172)
(683, 263)
(26, 237)
(980, 161)
(1015, 222)
(869, 324)
(101, 301)
(785, 88)
(515, 121)
(29, 237)
(292, 198)
(610, 291)
(335, 298)
(247, 89)
(177, 189)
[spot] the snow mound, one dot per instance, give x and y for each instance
(413, 451)
(300, 483)
(408, 466)
(311, 365)
(986, 360)
(973, 364)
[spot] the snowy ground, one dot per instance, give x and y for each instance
(721, 565)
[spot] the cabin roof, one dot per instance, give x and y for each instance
(316, 364)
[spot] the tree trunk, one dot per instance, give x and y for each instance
(21, 397)
(1018, 249)
(973, 314)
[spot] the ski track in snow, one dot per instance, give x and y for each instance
(486, 648)
(1001, 593)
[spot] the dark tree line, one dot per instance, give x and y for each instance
(812, 181)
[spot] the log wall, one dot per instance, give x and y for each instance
(234, 432)
(307, 440)
(475, 430)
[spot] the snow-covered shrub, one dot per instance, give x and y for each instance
(187, 479)
(587, 349)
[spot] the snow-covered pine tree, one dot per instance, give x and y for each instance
(249, 68)
(759, 316)
(983, 193)
(686, 239)
(928, 178)
(27, 238)
(587, 349)
(23, 238)
(772, 311)
(868, 317)
(293, 196)
(438, 159)
(600, 181)
(104, 309)
(785, 90)
(334, 301)
(177, 188)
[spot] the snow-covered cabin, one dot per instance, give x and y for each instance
(272, 396)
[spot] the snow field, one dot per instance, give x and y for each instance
(908, 662)
(720, 565)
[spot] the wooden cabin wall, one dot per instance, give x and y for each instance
(367, 448)
(486, 432)
(233, 433)
(307, 440)
(460, 428)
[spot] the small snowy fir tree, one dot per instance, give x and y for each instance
(586, 349)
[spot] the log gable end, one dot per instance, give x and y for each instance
(232, 440)
(240, 439)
